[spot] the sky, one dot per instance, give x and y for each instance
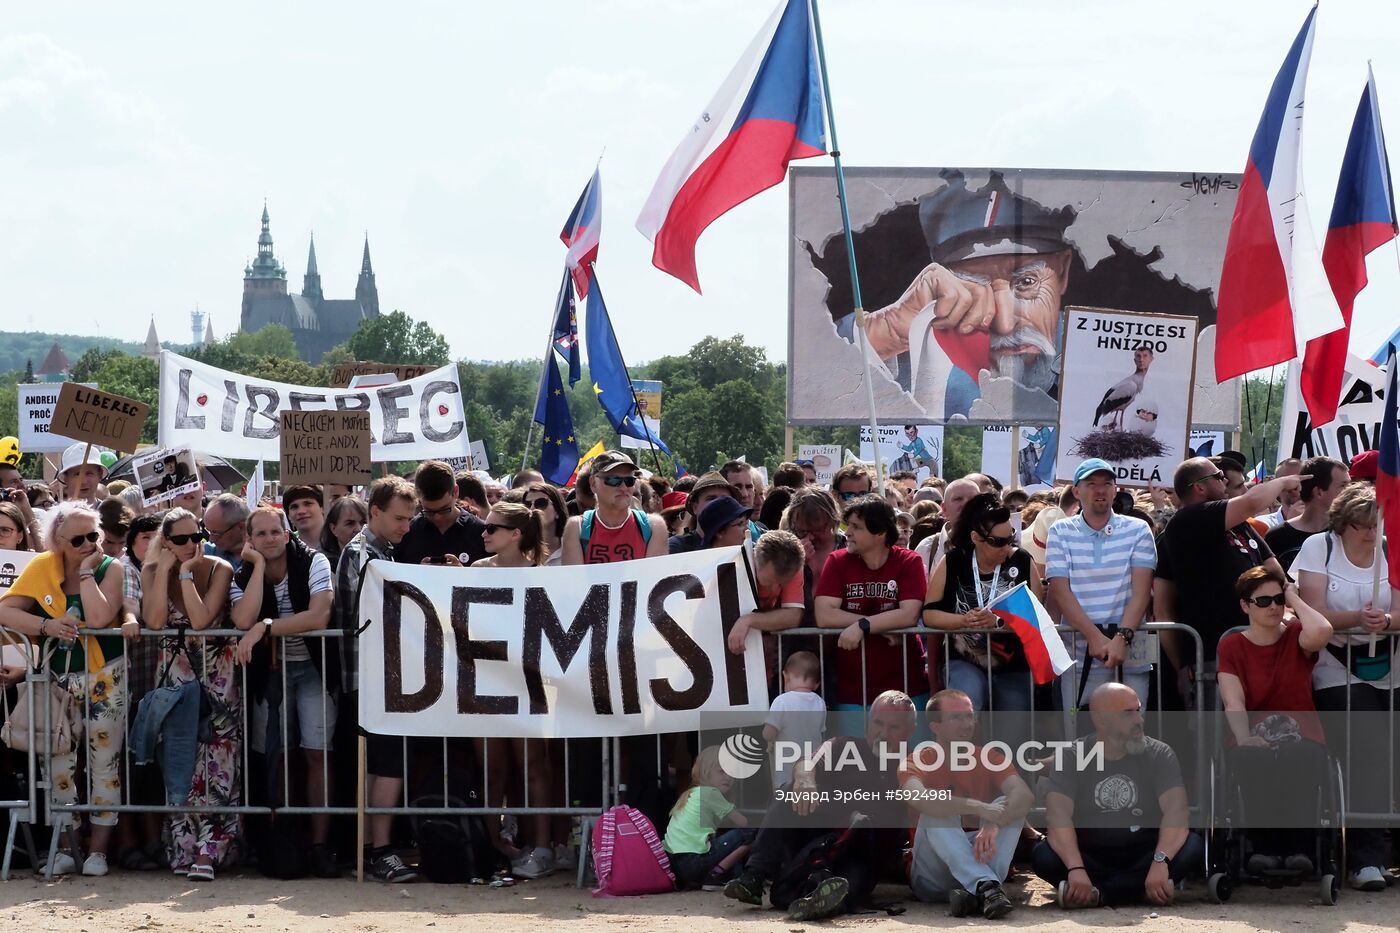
(141, 142)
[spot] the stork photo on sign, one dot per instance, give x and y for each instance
(1125, 393)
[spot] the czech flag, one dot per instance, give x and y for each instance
(1388, 471)
(1274, 295)
(1363, 218)
(583, 231)
(1024, 615)
(767, 113)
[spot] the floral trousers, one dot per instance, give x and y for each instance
(97, 716)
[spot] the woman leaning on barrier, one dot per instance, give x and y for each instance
(515, 536)
(74, 584)
(1357, 671)
(182, 588)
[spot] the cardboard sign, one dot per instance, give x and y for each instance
(344, 372)
(97, 417)
(165, 473)
(826, 458)
(325, 447)
(36, 404)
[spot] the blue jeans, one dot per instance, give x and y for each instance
(692, 868)
(1011, 691)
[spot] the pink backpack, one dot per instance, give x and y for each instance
(628, 857)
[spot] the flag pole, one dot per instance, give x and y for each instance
(636, 402)
(850, 245)
(548, 349)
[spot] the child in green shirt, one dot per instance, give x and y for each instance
(699, 857)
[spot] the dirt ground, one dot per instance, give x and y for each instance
(151, 901)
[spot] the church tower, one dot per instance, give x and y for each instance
(366, 293)
(311, 282)
(265, 277)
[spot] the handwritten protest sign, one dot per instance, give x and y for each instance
(325, 447)
(98, 417)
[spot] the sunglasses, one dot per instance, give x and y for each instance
(997, 541)
(1209, 476)
(77, 540)
(182, 540)
(848, 496)
(1264, 602)
(616, 481)
(492, 528)
(539, 504)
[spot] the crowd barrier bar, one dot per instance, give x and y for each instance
(23, 812)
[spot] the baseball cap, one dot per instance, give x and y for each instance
(719, 513)
(673, 499)
(610, 460)
(1091, 466)
(1364, 465)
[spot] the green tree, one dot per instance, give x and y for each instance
(29, 371)
(1260, 413)
(133, 377)
(91, 362)
(397, 338)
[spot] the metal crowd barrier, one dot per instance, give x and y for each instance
(21, 812)
(610, 776)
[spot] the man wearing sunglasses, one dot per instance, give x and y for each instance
(443, 531)
(1206, 546)
(709, 487)
(1099, 564)
(613, 530)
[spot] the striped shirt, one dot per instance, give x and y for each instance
(294, 648)
(1099, 564)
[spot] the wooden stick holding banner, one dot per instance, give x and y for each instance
(1376, 561)
(360, 809)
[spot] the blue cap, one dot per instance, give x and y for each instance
(1091, 466)
(717, 514)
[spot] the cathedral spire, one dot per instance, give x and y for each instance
(365, 267)
(311, 284)
(152, 348)
(366, 292)
(265, 266)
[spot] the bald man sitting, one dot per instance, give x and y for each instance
(1117, 833)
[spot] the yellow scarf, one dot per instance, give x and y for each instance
(42, 581)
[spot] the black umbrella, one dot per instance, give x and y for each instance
(216, 472)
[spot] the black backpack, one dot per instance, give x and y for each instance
(454, 849)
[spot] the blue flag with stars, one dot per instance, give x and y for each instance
(566, 327)
(611, 386)
(559, 452)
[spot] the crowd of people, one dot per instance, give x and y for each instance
(842, 574)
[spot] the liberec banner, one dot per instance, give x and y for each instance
(211, 410)
(628, 648)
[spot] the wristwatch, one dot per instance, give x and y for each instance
(864, 624)
(1160, 856)
(268, 623)
(187, 575)
(1128, 634)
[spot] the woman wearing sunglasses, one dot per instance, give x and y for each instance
(67, 586)
(1265, 675)
(981, 563)
(548, 501)
(515, 537)
(1359, 670)
(183, 588)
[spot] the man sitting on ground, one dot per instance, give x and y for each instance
(966, 837)
(1117, 834)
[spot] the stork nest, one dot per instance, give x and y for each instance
(1118, 446)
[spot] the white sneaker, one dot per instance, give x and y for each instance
(95, 866)
(537, 864)
(1369, 878)
(63, 864)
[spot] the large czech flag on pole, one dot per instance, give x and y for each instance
(1363, 218)
(767, 113)
(1388, 471)
(1045, 649)
(1274, 296)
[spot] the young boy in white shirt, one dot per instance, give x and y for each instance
(798, 715)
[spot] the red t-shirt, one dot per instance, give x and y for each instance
(982, 781)
(607, 545)
(867, 592)
(1276, 678)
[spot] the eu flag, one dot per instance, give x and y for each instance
(565, 337)
(559, 453)
(611, 385)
